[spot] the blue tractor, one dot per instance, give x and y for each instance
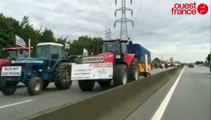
(50, 65)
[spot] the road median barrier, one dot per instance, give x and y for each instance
(113, 104)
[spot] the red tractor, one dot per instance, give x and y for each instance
(8, 55)
(114, 63)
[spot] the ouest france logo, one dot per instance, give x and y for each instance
(189, 9)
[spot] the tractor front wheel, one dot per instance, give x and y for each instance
(86, 85)
(8, 88)
(120, 75)
(62, 76)
(35, 86)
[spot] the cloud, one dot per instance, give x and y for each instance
(186, 38)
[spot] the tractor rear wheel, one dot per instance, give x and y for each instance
(35, 86)
(62, 76)
(104, 83)
(86, 85)
(120, 75)
(134, 70)
(8, 88)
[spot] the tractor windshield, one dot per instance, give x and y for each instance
(111, 47)
(14, 54)
(50, 51)
(43, 51)
(22, 53)
(9, 54)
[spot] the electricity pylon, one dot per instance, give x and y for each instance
(123, 20)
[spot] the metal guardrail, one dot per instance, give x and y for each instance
(113, 104)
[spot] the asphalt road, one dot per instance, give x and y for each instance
(189, 101)
(21, 105)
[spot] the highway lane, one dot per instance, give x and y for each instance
(189, 101)
(50, 98)
(22, 105)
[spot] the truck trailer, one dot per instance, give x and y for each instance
(144, 58)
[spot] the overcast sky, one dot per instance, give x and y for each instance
(186, 38)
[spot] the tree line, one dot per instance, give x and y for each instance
(9, 27)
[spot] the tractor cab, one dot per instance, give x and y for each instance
(10, 54)
(50, 51)
(15, 53)
(117, 47)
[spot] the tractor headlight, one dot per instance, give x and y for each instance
(40, 70)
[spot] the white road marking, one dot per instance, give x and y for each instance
(18, 103)
(159, 113)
